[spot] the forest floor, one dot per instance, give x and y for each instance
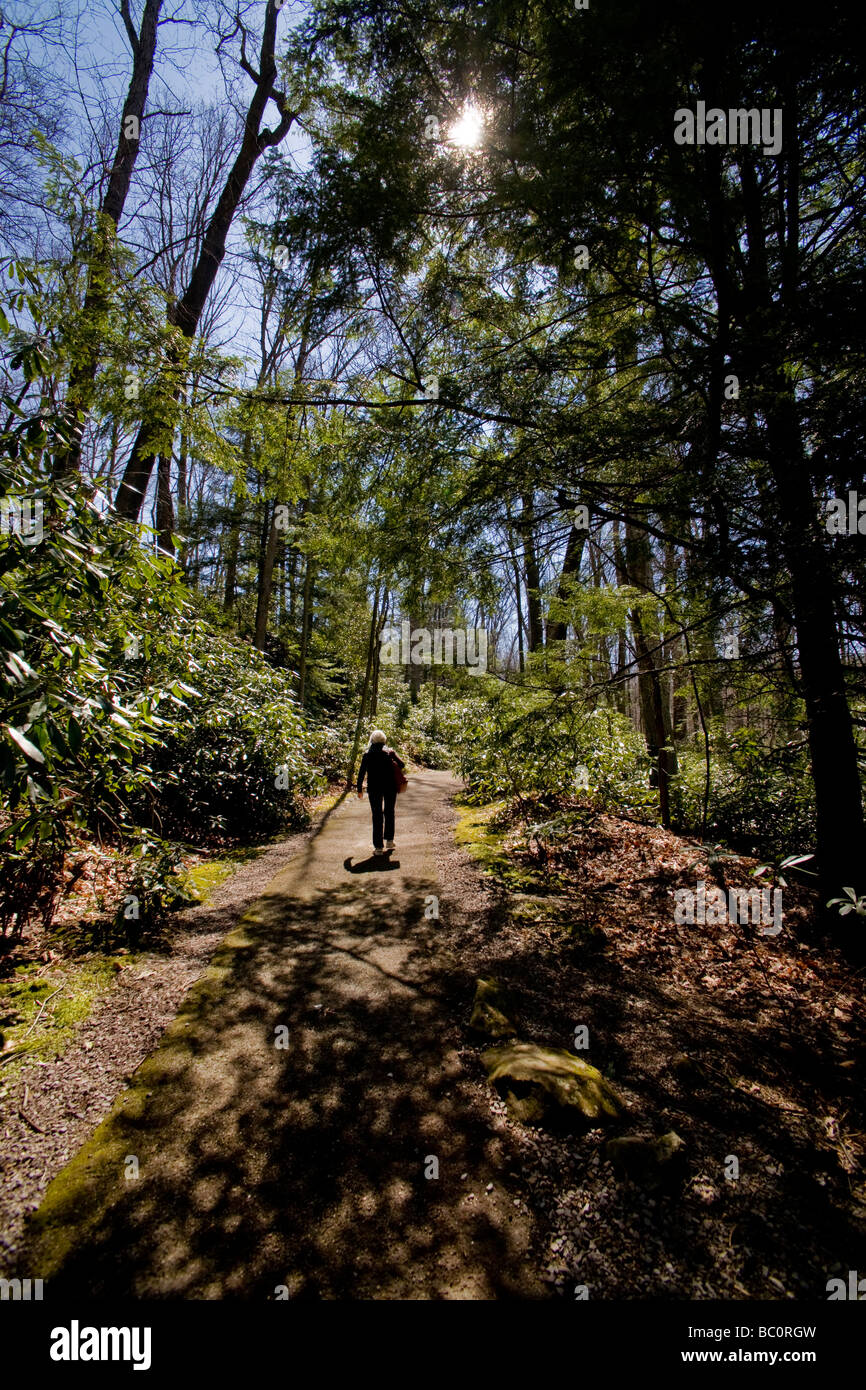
(316, 1121)
(747, 1047)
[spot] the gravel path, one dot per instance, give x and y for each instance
(66, 1099)
(306, 1127)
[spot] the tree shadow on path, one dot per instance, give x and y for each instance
(306, 1125)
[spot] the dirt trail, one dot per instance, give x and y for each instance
(304, 1166)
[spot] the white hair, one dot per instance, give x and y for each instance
(377, 736)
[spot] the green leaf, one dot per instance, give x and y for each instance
(74, 735)
(25, 834)
(27, 748)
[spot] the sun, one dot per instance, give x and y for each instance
(468, 130)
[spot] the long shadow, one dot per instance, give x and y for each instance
(376, 864)
(326, 815)
(208, 918)
(307, 1131)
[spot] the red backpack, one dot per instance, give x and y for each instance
(400, 781)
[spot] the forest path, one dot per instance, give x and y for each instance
(304, 1166)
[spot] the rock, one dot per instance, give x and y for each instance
(649, 1162)
(542, 1084)
(704, 1190)
(490, 1011)
(687, 1070)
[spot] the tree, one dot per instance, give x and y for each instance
(732, 261)
(79, 392)
(186, 312)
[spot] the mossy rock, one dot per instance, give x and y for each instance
(647, 1161)
(490, 1008)
(543, 1085)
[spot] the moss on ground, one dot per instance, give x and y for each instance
(475, 833)
(30, 1032)
(537, 895)
(35, 1025)
(77, 1198)
(203, 879)
(482, 830)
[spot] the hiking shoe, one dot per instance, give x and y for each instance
(389, 844)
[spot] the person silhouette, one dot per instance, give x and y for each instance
(379, 765)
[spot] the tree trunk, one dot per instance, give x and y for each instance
(183, 496)
(232, 553)
(292, 577)
(415, 672)
(353, 757)
(832, 746)
(840, 839)
(186, 313)
(557, 630)
(164, 506)
(377, 664)
(266, 580)
(635, 568)
(305, 630)
(518, 603)
(80, 390)
(533, 578)
(282, 565)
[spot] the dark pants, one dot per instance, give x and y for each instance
(382, 803)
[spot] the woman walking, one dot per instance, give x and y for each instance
(383, 770)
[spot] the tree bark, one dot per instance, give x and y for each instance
(353, 757)
(533, 578)
(832, 745)
(266, 580)
(518, 602)
(187, 311)
(80, 389)
(635, 568)
(377, 665)
(557, 630)
(232, 554)
(164, 506)
(840, 838)
(306, 605)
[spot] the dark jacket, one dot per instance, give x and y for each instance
(378, 767)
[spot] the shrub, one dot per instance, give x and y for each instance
(761, 798)
(153, 890)
(75, 719)
(239, 760)
(508, 742)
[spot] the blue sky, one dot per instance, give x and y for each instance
(88, 55)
